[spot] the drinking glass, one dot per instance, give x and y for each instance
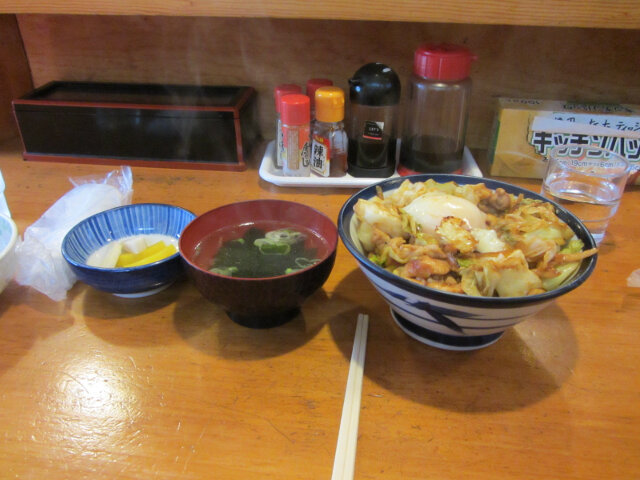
(588, 181)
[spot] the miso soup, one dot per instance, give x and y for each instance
(259, 250)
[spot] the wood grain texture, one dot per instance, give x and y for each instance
(168, 387)
(15, 77)
(572, 13)
(531, 62)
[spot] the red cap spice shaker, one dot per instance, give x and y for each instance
(278, 92)
(314, 84)
(295, 111)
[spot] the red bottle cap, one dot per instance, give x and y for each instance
(284, 89)
(315, 83)
(295, 109)
(442, 61)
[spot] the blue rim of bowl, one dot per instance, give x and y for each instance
(105, 212)
(330, 252)
(346, 212)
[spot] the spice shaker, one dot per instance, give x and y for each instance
(280, 91)
(329, 140)
(295, 112)
(314, 84)
(374, 97)
(435, 125)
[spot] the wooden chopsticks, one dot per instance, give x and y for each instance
(344, 462)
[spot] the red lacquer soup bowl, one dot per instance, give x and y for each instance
(262, 301)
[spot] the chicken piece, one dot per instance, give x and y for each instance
(426, 266)
(448, 285)
(454, 233)
(499, 201)
(403, 252)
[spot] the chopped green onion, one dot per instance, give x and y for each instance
(465, 262)
(284, 235)
(303, 262)
(268, 247)
(228, 271)
(565, 273)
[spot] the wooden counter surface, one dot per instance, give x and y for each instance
(167, 387)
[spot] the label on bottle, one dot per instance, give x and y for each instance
(298, 150)
(320, 155)
(373, 130)
(281, 152)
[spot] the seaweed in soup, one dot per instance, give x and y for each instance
(259, 253)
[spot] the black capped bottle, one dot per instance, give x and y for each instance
(374, 96)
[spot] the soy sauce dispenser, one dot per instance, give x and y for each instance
(435, 125)
(374, 97)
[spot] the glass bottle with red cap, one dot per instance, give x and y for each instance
(437, 109)
(279, 92)
(295, 110)
(314, 84)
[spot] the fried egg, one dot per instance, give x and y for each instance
(429, 209)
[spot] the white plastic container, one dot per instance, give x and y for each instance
(8, 239)
(4, 208)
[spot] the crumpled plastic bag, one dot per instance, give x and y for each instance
(40, 263)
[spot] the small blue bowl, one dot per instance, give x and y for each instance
(447, 320)
(104, 227)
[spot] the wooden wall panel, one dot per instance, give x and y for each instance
(568, 13)
(15, 79)
(542, 62)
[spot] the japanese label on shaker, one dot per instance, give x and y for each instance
(320, 161)
(306, 154)
(373, 130)
(281, 152)
(298, 150)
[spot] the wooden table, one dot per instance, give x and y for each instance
(168, 387)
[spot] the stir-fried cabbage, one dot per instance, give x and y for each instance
(523, 248)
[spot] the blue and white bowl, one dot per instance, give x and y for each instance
(449, 320)
(98, 230)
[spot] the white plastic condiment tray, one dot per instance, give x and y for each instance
(269, 173)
